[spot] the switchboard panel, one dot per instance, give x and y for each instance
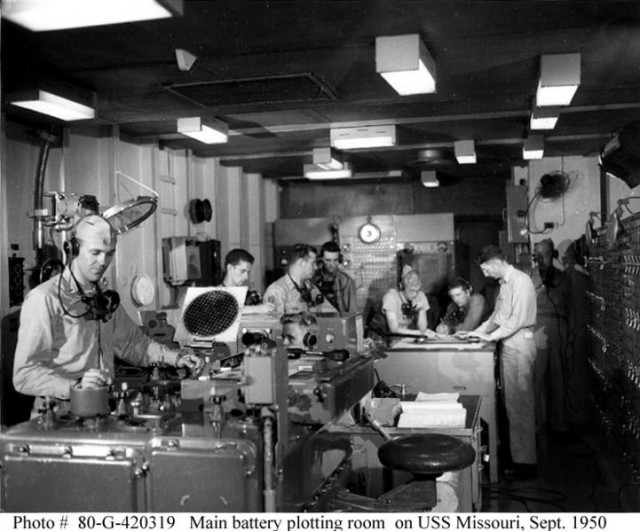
(614, 326)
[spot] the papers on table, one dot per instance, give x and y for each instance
(433, 410)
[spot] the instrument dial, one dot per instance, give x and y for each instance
(369, 233)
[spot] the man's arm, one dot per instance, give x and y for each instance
(132, 345)
(515, 310)
(421, 303)
(263, 307)
(276, 297)
(488, 326)
(34, 372)
(477, 307)
(448, 320)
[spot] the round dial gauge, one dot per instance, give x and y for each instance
(143, 290)
(369, 233)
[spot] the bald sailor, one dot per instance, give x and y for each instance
(71, 328)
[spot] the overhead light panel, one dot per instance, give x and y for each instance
(327, 159)
(47, 15)
(533, 147)
(214, 132)
(544, 118)
(363, 137)
(465, 151)
(312, 171)
(429, 179)
(559, 79)
(405, 63)
(51, 104)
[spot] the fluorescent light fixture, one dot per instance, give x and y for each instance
(214, 133)
(363, 137)
(533, 147)
(544, 118)
(429, 179)
(327, 159)
(48, 103)
(559, 79)
(47, 15)
(312, 171)
(465, 151)
(406, 64)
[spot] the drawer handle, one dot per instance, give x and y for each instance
(460, 387)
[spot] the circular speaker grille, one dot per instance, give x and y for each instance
(210, 314)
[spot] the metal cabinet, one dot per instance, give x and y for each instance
(464, 368)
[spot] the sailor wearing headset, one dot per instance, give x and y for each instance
(71, 330)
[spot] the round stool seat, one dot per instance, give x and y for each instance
(426, 454)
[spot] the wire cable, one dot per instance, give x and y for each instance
(67, 312)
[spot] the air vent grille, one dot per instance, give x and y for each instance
(255, 90)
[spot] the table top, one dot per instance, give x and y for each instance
(442, 343)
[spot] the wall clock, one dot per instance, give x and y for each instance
(369, 232)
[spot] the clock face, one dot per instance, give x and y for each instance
(369, 233)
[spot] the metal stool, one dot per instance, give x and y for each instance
(424, 455)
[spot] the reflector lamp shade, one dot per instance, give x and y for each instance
(48, 15)
(312, 171)
(465, 151)
(327, 159)
(213, 133)
(429, 179)
(363, 137)
(51, 104)
(533, 147)
(406, 65)
(559, 79)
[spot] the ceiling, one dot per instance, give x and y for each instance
(282, 73)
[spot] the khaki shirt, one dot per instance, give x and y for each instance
(55, 349)
(515, 306)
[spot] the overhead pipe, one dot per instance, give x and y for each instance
(38, 197)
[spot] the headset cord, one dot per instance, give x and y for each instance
(65, 310)
(101, 364)
(304, 291)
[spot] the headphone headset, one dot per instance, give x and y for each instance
(310, 339)
(407, 271)
(102, 305)
(460, 282)
(549, 242)
(306, 294)
(71, 246)
(330, 247)
(407, 308)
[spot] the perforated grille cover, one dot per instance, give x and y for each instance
(210, 314)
